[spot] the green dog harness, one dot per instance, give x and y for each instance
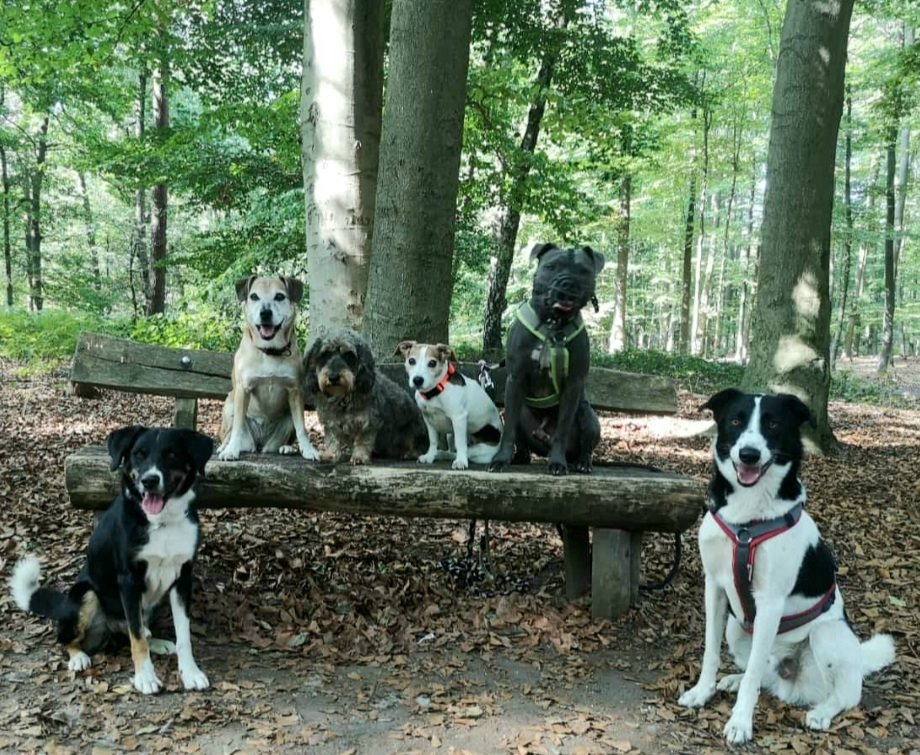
(554, 351)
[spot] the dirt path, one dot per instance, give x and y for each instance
(335, 634)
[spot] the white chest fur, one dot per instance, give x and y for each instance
(172, 544)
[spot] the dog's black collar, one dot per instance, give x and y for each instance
(284, 351)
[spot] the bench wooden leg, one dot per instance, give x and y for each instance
(576, 556)
(615, 571)
(186, 413)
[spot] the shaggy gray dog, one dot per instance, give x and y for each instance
(361, 409)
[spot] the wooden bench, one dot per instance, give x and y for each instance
(603, 514)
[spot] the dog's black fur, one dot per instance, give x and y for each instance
(566, 433)
(112, 570)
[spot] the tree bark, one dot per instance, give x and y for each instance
(514, 203)
(851, 343)
(884, 358)
(140, 197)
(848, 235)
(34, 232)
(90, 231)
(687, 273)
(618, 327)
(7, 245)
(340, 118)
(790, 340)
(158, 239)
(698, 285)
(410, 278)
(744, 307)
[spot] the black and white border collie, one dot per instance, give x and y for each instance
(786, 626)
(143, 547)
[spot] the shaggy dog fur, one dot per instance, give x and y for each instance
(361, 409)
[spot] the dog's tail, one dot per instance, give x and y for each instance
(30, 597)
(877, 652)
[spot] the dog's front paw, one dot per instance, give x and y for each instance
(194, 678)
(739, 729)
(161, 647)
(501, 460)
(583, 466)
(359, 458)
(730, 683)
(696, 697)
(558, 468)
(309, 453)
(460, 463)
(428, 458)
(79, 661)
(230, 452)
(146, 681)
(818, 718)
(287, 450)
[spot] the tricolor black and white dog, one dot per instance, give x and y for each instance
(771, 577)
(143, 548)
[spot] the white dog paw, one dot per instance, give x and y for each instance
(146, 681)
(460, 463)
(287, 450)
(428, 458)
(309, 453)
(818, 718)
(738, 730)
(194, 678)
(730, 683)
(79, 662)
(231, 452)
(161, 647)
(696, 697)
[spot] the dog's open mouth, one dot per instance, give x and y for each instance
(268, 331)
(152, 503)
(750, 474)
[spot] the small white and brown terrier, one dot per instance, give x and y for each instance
(452, 405)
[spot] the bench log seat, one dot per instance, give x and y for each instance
(603, 514)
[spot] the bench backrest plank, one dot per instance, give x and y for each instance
(121, 364)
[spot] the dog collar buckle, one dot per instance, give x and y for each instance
(744, 536)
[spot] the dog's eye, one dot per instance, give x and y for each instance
(772, 424)
(432, 363)
(140, 454)
(349, 358)
(253, 297)
(411, 361)
(735, 422)
(279, 296)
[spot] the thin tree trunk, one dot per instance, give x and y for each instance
(340, 117)
(36, 293)
(687, 270)
(706, 287)
(409, 283)
(514, 203)
(140, 196)
(884, 359)
(848, 235)
(698, 287)
(790, 338)
(618, 327)
(851, 344)
(158, 238)
(720, 289)
(747, 276)
(903, 171)
(90, 232)
(7, 245)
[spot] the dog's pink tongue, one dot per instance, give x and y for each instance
(152, 503)
(267, 331)
(748, 474)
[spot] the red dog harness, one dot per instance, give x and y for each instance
(441, 385)
(745, 539)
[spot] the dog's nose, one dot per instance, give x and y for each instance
(150, 481)
(749, 455)
(417, 381)
(333, 378)
(265, 315)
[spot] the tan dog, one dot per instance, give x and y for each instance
(264, 410)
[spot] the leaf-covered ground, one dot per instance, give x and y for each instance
(335, 634)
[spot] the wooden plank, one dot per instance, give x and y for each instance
(635, 554)
(186, 413)
(119, 363)
(619, 497)
(611, 572)
(576, 558)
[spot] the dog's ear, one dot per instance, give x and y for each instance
(404, 348)
(198, 446)
(366, 375)
(120, 441)
(242, 287)
(540, 249)
(717, 403)
(294, 288)
(445, 353)
(798, 409)
(310, 381)
(597, 258)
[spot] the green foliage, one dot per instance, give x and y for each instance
(44, 338)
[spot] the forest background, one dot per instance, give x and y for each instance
(154, 152)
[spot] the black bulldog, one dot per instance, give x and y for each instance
(548, 354)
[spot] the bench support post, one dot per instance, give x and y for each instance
(186, 413)
(615, 571)
(576, 555)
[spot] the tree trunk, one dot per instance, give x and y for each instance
(410, 277)
(851, 344)
(7, 245)
(884, 358)
(706, 285)
(140, 197)
(790, 339)
(848, 234)
(34, 233)
(90, 232)
(698, 287)
(744, 306)
(157, 303)
(514, 203)
(340, 114)
(687, 275)
(618, 327)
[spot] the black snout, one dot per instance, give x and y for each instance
(749, 455)
(334, 378)
(417, 381)
(150, 481)
(265, 315)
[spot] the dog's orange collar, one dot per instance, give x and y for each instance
(441, 385)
